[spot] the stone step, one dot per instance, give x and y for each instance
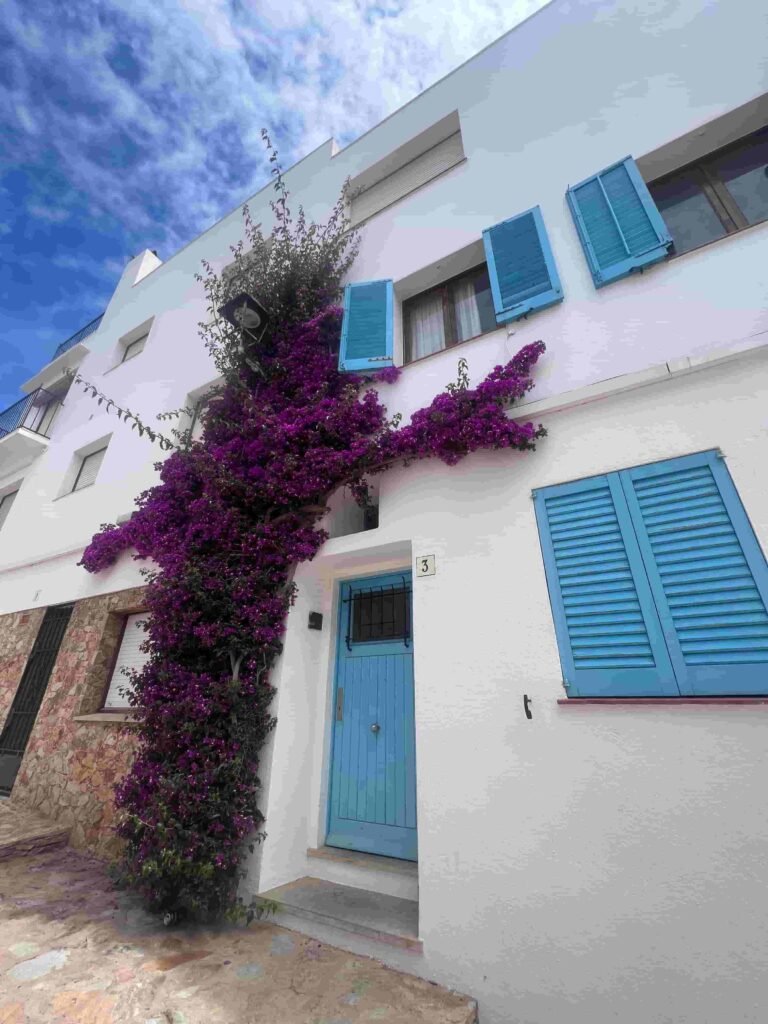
(365, 871)
(373, 915)
(23, 832)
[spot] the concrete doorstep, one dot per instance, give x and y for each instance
(373, 915)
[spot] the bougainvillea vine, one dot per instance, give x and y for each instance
(224, 528)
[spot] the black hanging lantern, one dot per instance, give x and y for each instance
(248, 314)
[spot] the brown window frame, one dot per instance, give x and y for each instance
(113, 663)
(450, 330)
(725, 207)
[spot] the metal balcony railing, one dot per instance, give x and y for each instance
(83, 333)
(34, 412)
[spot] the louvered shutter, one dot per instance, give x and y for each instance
(521, 266)
(608, 632)
(620, 228)
(129, 656)
(707, 572)
(366, 332)
(89, 469)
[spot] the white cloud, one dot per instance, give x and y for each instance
(182, 114)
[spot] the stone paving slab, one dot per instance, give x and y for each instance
(23, 831)
(75, 951)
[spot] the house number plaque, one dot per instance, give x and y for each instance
(425, 565)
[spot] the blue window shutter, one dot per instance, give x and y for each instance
(620, 228)
(608, 633)
(521, 266)
(366, 332)
(707, 573)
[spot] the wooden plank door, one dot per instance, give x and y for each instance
(373, 770)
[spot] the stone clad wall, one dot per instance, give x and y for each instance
(71, 766)
(17, 635)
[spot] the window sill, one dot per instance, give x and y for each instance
(659, 701)
(108, 717)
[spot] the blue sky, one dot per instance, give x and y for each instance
(133, 124)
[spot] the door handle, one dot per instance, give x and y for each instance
(375, 727)
(340, 704)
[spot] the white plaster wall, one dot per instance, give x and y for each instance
(595, 863)
(592, 864)
(574, 88)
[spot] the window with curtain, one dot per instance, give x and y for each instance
(720, 195)
(454, 311)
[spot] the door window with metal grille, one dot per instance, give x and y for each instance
(378, 614)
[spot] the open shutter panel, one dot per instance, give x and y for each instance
(366, 332)
(620, 228)
(707, 572)
(130, 656)
(608, 632)
(521, 266)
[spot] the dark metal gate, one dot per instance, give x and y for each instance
(29, 696)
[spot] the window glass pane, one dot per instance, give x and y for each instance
(473, 304)
(5, 506)
(380, 615)
(484, 299)
(687, 212)
(425, 327)
(745, 174)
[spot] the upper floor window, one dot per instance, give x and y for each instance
(134, 347)
(5, 505)
(404, 171)
(724, 193)
(88, 469)
(454, 311)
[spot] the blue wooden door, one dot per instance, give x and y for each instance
(372, 805)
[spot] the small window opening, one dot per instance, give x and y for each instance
(379, 614)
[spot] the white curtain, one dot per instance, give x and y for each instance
(467, 313)
(426, 326)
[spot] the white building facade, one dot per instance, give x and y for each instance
(581, 634)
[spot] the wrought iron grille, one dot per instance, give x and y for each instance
(29, 695)
(34, 411)
(378, 614)
(80, 335)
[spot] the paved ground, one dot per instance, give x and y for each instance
(73, 951)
